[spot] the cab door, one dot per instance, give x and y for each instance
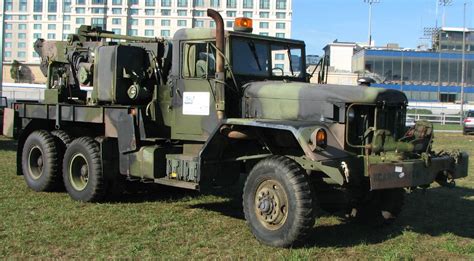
(193, 100)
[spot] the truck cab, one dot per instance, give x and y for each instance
(248, 58)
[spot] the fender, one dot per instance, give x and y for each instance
(298, 149)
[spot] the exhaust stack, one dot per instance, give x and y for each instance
(219, 83)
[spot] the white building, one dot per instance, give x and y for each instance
(27, 20)
(340, 55)
(340, 63)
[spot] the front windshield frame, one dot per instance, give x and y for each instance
(267, 61)
(367, 118)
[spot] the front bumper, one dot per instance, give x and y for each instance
(469, 128)
(412, 173)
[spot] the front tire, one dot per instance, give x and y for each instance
(82, 171)
(40, 161)
(277, 202)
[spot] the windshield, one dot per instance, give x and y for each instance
(266, 59)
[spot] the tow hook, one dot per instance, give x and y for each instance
(445, 179)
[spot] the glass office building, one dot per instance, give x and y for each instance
(422, 75)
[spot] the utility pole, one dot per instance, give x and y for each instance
(438, 31)
(370, 2)
(2, 20)
(444, 3)
(463, 61)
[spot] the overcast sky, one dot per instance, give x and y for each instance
(319, 22)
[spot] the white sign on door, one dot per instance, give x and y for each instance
(196, 103)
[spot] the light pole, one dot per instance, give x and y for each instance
(445, 3)
(371, 2)
(463, 61)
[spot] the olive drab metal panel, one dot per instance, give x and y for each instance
(117, 68)
(193, 98)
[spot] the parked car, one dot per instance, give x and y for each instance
(468, 123)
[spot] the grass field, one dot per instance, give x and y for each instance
(173, 224)
(450, 127)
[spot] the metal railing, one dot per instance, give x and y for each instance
(14, 95)
(442, 119)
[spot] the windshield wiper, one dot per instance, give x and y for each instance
(255, 56)
(288, 51)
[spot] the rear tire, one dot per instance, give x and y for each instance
(278, 202)
(62, 141)
(82, 171)
(63, 137)
(40, 161)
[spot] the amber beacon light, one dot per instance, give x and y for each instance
(243, 24)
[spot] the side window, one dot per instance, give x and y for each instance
(198, 60)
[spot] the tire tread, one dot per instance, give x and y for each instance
(304, 219)
(50, 153)
(98, 190)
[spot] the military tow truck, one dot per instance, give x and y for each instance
(198, 110)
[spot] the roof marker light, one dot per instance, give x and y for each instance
(243, 24)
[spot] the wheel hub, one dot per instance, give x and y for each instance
(266, 206)
(40, 162)
(84, 172)
(271, 204)
(79, 172)
(35, 162)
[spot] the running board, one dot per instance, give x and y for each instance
(177, 183)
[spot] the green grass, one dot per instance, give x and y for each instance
(173, 224)
(438, 126)
(419, 111)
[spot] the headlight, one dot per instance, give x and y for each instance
(319, 139)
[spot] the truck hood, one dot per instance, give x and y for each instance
(305, 101)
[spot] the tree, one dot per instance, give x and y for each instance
(15, 71)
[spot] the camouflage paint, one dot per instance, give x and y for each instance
(309, 102)
(302, 131)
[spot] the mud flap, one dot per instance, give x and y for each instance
(9, 119)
